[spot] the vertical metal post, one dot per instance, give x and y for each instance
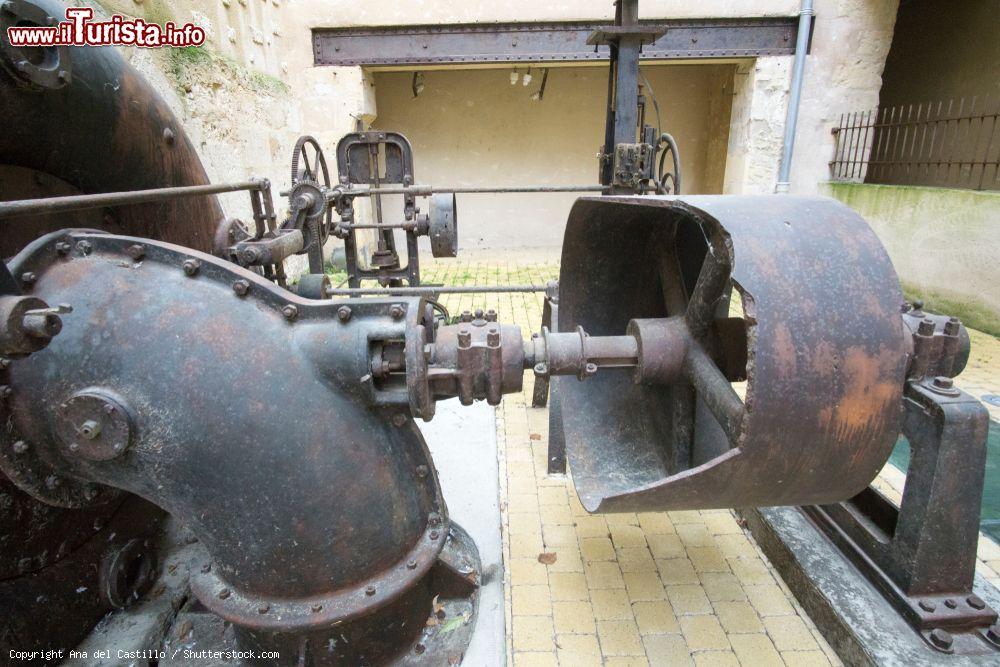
(798, 70)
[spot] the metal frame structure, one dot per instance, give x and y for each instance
(548, 42)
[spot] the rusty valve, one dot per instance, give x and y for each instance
(27, 324)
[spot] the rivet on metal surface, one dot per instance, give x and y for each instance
(411, 564)
(951, 604)
(241, 287)
(136, 251)
(263, 608)
(396, 311)
(206, 568)
(422, 471)
(419, 648)
(290, 312)
(344, 313)
(224, 593)
(191, 267)
(398, 419)
(317, 608)
(168, 135)
(85, 247)
(369, 590)
(435, 534)
(941, 638)
(975, 602)
(927, 605)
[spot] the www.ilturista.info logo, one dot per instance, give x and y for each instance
(79, 30)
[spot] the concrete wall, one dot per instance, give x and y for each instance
(943, 243)
(943, 50)
(472, 127)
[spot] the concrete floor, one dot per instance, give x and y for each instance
(635, 589)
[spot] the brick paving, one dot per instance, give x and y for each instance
(661, 588)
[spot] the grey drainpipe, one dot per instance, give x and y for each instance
(798, 70)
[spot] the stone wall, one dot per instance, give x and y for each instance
(260, 90)
(941, 241)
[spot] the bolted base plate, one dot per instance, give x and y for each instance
(858, 622)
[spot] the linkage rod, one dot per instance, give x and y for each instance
(10, 209)
(426, 290)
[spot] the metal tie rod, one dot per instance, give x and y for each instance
(10, 209)
(429, 290)
(427, 190)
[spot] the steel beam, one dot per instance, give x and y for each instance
(548, 42)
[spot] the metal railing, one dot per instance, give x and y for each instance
(953, 144)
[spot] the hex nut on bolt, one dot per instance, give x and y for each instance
(396, 312)
(191, 267)
(290, 312)
(344, 313)
(941, 638)
(369, 590)
(241, 287)
(28, 278)
(136, 251)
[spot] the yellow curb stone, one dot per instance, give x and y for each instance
(707, 559)
(579, 650)
(534, 659)
(604, 575)
(716, 659)
(527, 571)
(627, 536)
(667, 650)
(805, 659)
(722, 587)
(635, 559)
(665, 546)
(739, 617)
(597, 548)
(695, 535)
(559, 536)
(573, 617)
(789, 633)
(532, 633)
(656, 523)
(688, 599)
(619, 638)
(755, 650)
(703, 633)
(530, 601)
(655, 617)
(677, 571)
(644, 586)
(568, 586)
(611, 604)
(768, 600)
(591, 526)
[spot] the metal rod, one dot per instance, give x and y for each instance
(791, 120)
(425, 290)
(426, 190)
(9, 209)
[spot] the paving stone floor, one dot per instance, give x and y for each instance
(663, 588)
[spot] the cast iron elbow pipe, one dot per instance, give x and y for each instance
(311, 489)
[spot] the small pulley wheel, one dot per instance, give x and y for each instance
(443, 225)
(311, 175)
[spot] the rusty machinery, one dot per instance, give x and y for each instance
(321, 527)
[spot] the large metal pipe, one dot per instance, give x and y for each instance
(806, 14)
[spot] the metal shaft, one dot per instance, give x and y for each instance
(11, 209)
(424, 290)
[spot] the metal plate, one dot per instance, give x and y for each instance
(548, 42)
(825, 352)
